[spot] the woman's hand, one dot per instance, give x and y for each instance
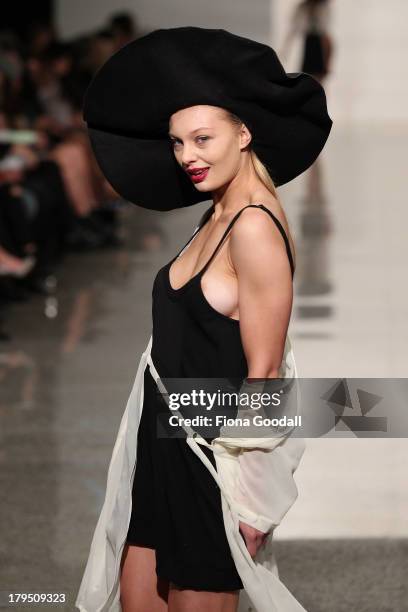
(254, 539)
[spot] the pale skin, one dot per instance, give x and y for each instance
(253, 285)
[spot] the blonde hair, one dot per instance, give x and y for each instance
(259, 167)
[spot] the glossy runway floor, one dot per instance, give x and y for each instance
(67, 374)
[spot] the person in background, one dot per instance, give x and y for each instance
(101, 45)
(123, 28)
(311, 20)
(41, 34)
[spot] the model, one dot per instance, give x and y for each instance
(311, 20)
(177, 117)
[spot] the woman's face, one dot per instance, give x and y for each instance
(201, 138)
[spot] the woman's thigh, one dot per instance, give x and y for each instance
(140, 588)
(187, 600)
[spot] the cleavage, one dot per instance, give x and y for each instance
(219, 287)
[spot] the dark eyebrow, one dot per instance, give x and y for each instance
(193, 132)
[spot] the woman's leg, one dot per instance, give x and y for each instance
(140, 588)
(75, 170)
(187, 600)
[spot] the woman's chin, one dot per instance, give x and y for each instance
(203, 188)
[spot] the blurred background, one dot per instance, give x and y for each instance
(77, 265)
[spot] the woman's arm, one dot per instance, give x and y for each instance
(265, 295)
(265, 291)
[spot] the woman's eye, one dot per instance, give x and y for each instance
(200, 139)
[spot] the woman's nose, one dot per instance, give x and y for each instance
(188, 156)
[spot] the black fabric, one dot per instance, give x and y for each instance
(129, 101)
(55, 216)
(14, 224)
(313, 61)
(177, 507)
(176, 502)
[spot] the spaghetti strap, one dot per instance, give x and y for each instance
(278, 223)
(282, 231)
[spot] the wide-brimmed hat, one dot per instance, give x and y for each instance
(128, 104)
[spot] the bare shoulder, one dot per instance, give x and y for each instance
(274, 205)
(255, 224)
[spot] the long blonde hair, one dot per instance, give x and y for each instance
(259, 167)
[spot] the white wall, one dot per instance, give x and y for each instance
(368, 81)
(241, 17)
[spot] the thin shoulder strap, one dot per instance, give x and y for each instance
(278, 223)
(282, 231)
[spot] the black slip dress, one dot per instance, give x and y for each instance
(176, 505)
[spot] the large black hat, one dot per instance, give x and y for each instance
(129, 101)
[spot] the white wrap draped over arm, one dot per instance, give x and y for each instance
(257, 487)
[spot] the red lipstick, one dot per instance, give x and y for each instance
(197, 174)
